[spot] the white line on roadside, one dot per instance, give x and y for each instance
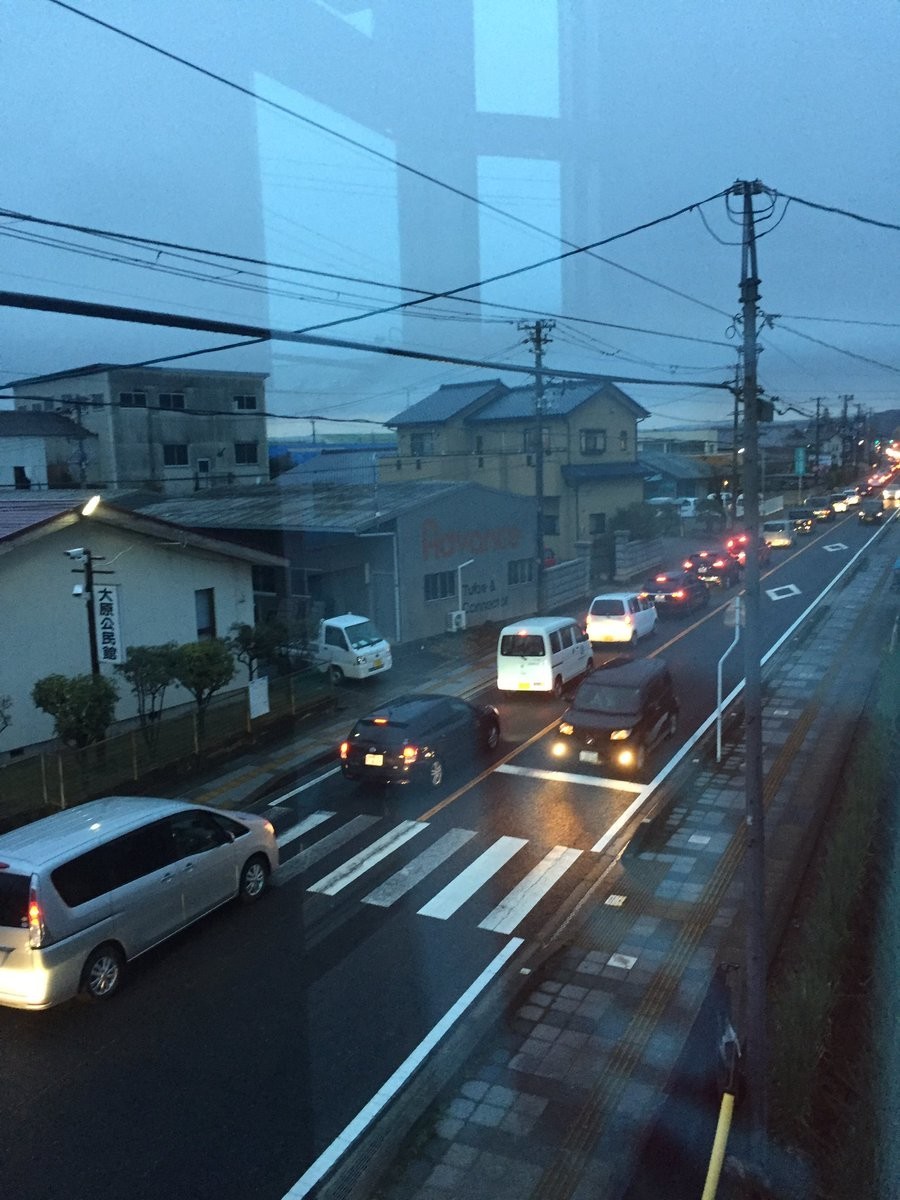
(385, 1094)
(619, 785)
(536, 884)
(467, 882)
(302, 788)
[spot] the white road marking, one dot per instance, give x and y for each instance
(467, 882)
(783, 592)
(309, 857)
(310, 822)
(303, 787)
(620, 785)
(348, 1135)
(420, 867)
(345, 874)
(522, 899)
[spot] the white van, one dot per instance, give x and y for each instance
(86, 890)
(542, 654)
(620, 617)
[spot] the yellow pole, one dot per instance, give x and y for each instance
(720, 1141)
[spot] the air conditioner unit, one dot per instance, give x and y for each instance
(456, 620)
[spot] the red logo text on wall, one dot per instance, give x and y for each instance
(455, 543)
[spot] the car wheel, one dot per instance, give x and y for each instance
(254, 879)
(632, 641)
(558, 687)
(435, 772)
(492, 736)
(589, 666)
(337, 675)
(103, 972)
(673, 725)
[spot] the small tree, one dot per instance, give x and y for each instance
(82, 706)
(255, 644)
(5, 718)
(203, 668)
(149, 670)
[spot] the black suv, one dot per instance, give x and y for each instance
(804, 521)
(416, 738)
(618, 715)
(675, 592)
(714, 567)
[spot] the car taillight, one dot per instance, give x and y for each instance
(36, 929)
(679, 595)
(719, 563)
(687, 564)
(345, 750)
(410, 754)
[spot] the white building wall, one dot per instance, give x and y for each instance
(27, 452)
(44, 627)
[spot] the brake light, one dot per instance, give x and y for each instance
(720, 562)
(379, 720)
(410, 754)
(36, 929)
(687, 564)
(660, 579)
(345, 750)
(679, 595)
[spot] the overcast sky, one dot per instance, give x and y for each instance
(663, 102)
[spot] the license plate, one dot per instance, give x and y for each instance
(374, 760)
(660, 596)
(524, 686)
(379, 663)
(590, 756)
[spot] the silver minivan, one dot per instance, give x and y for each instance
(84, 891)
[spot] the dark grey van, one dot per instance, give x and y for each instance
(618, 715)
(85, 890)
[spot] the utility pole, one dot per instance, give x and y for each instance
(754, 839)
(818, 436)
(537, 337)
(732, 504)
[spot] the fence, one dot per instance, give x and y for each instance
(123, 763)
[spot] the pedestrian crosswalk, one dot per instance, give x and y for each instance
(483, 866)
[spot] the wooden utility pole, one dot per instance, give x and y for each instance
(754, 839)
(537, 338)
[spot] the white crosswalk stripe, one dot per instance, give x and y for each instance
(421, 866)
(522, 899)
(333, 841)
(467, 883)
(347, 872)
(308, 823)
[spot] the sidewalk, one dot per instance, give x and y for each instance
(554, 1097)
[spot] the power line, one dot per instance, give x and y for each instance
(258, 333)
(838, 349)
(841, 212)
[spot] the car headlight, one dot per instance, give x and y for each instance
(619, 735)
(566, 728)
(625, 758)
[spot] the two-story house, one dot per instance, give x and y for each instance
(171, 431)
(488, 433)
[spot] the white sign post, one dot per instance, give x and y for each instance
(734, 616)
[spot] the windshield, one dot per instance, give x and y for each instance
(608, 608)
(595, 696)
(362, 634)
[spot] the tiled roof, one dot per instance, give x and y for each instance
(21, 423)
(16, 516)
(339, 508)
(560, 399)
(448, 401)
(676, 466)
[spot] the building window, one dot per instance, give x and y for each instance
(479, 444)
(596, 524)
(245, 403)
(440, 585)
(623, 439)
(205, 604)
(264, 580)
(530, 442)
(551, 523)
(132, 399)
(246, 452)
(421, 443)
(175, 454)
(520, 570)
(593, 441)
(171, 399)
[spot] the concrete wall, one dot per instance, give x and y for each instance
(45, 628)
(27, 452)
